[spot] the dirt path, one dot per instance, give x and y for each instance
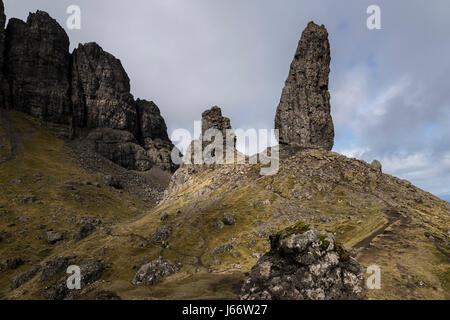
(392, 216)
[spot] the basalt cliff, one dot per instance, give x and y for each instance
(87, 90)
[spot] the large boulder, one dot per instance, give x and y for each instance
(303, 116)
(101, 90)
(153, 272)
(304, 263)
(38, 67)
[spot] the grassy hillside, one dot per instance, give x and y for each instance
(383, 220)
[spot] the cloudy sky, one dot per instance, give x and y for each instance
(390, 92)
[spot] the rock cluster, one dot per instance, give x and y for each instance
(86, 89)
(154, 271)
(90, 271)
(23, 277)
(303, 116)
(304, 263)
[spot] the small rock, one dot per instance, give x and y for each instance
(376, 165)
(85, 230)
(162, 233)
(219, 225)
(54, 237)
(16, 181)
(107, 295)
(223, 248)
(28, 200)
(165, 217)
(228, 219)
(111, 181)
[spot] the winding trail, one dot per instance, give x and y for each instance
(392, 216)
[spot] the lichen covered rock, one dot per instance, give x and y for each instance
(304, 263)
(154, 271)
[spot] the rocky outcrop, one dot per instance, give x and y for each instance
(55, 266)
(201, 152)
(154, 271)
(377, 165)
(90, 272)
(213, 119)
(303, 116)
(135, 135)
(121, 147)
(101, 95)
(22, 278)
(152, 135)
(38, 66)
(304, 263)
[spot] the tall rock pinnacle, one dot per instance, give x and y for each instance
(303, 115)
(213, 119)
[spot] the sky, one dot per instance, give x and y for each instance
(390, 93)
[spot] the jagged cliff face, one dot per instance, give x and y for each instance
(303, 115)
(86, 89)
(101, 90)
(38, 62)
(4, 86)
